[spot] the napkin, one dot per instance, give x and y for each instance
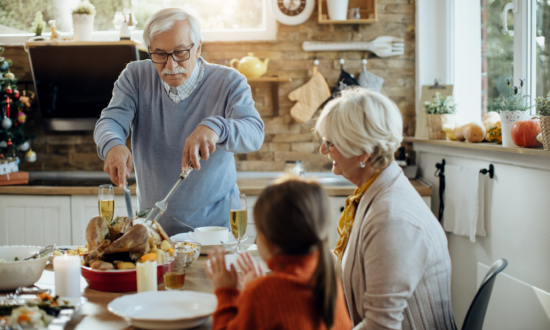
(464, 202)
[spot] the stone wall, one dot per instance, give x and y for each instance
(285, 139)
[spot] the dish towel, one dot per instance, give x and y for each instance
(464, 202)
(309, 96)
(370, 81)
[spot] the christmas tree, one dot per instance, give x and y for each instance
(12, 129)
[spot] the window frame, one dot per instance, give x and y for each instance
(267, 33)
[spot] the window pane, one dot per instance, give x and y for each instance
(542, 56)
(214, 14)
(500, 52)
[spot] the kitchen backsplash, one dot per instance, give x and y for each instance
(285, 139)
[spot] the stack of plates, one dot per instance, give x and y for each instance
(165, 310)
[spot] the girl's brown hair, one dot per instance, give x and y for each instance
(293, 215)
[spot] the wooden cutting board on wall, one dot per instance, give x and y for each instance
(428, 94)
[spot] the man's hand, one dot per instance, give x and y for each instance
(118, 164)
(202, 139)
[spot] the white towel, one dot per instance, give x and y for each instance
(464, 202)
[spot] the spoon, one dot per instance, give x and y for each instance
(229, 247)
(186, 225)
(47, 250)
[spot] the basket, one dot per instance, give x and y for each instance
(435, 125)
(545, 130)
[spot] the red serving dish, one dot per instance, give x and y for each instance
(118, 280)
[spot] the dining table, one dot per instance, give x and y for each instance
(94, 314)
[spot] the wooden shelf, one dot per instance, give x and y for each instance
(80, 43)
(481, 146)
(269, 79)
(368, 11)
(274, 82)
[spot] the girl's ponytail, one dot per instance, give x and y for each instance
(324, 287)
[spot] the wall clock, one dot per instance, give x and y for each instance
(292, 12)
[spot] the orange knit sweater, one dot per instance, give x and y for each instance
(280, 300)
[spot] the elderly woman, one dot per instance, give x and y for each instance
(393, 252)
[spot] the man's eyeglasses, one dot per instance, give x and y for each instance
(327, 144)
(178, 56)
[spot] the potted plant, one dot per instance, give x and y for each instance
(439, 112)
(38, 24)
(514, 107)
(83, 21)
(543, 110)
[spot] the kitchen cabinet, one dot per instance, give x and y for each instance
(83, 208)
(35, 220)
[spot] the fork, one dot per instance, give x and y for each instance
(383, 46)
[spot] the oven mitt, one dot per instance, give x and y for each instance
(309, 97)
(370, 81)
(344, 81)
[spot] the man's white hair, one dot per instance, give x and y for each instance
(362, 122)
(164, 19)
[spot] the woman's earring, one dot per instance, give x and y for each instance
(362, 164)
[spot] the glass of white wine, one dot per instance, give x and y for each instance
(106, 201)
(238, 217)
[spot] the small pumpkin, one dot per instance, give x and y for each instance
(524, 133)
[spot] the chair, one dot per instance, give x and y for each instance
(476, 314)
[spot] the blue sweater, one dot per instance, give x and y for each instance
(221, 101)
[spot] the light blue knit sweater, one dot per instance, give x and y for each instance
(222, 101)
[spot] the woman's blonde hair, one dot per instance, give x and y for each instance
(362, 122)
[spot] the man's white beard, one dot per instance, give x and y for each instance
(176, 70)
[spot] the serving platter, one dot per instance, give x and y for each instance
(59, 322)
(164, 310)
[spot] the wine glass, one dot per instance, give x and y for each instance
(238, 217)
(106, 201)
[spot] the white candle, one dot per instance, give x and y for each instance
(67, 276)
(146, 273)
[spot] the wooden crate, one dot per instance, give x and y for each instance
(368, 12)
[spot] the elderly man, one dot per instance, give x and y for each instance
(180, 109)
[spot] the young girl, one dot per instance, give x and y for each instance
(303, 291)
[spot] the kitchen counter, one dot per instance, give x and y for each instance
(247, 185)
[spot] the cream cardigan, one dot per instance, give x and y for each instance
(397, 269)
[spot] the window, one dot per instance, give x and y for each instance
(222, 20)
(520, 52)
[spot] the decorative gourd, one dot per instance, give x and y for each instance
(490, 119)
(494, 134)
(474, 132)
(524, 133)
(459, 133)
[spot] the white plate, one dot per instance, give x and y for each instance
(205, 248)
(165, 309)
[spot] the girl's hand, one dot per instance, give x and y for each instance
(250, 269)
(218, 275)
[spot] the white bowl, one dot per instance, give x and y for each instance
(164, 309)
(20, 273)
(210, 235)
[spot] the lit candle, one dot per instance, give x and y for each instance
(146, 273)
(67, 276)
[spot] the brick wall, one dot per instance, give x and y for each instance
(285, 139)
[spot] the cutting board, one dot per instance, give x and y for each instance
(16, 178)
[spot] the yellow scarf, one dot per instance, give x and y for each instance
(348, 216)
